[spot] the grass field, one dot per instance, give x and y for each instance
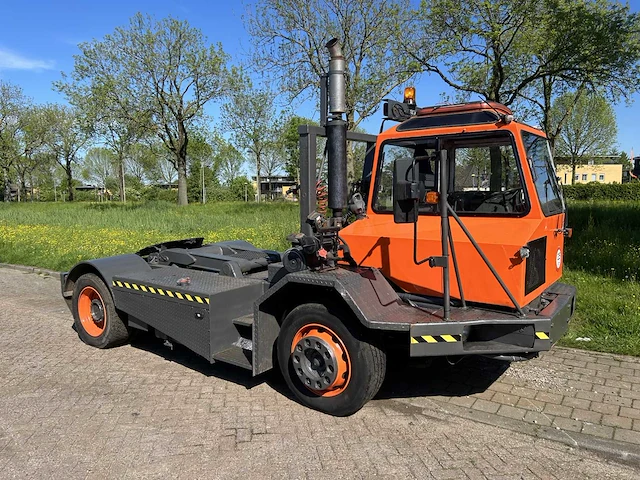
(602, 259)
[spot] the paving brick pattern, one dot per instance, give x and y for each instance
(143, 411)
(591, 393)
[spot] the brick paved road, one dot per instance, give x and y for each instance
(71, 411)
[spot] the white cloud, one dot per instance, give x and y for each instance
(13, 61)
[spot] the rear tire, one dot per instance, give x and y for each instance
(329, 365)
(94, 314)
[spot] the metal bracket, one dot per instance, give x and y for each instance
(438, 262)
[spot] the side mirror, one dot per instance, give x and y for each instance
(405, 191)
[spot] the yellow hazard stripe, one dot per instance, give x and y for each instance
(444, 338)
(542, 335)
(159, 291)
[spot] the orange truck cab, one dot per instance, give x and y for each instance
(500, 225)
(502, 186)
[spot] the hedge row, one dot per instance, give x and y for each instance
(603, 191)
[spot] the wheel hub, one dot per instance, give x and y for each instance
(315, 363)
(97, 310)
(320, 360)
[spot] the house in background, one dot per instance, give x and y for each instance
(275, 187)
(600, 169)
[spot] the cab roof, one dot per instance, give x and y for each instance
(472, 113)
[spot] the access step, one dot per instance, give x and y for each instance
(235, 356)
(246, 321)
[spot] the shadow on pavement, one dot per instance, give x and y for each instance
(427, 379)
(440, 377)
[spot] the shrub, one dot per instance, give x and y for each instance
(603, 191)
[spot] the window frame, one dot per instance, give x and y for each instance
(563, 203)
(444, 139)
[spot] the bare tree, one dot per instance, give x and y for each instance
(289, 38)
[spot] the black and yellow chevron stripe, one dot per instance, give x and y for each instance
(457, 338)
(161, 292)
(436, 339)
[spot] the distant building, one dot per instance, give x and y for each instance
(600, 169)
(275, 187)
(634, 173)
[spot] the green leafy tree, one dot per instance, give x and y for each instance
(241, 188)
(67, 138)
(228, 159)
(35, 131)
(163, 71)
(590, 128)
(251, 118)
(290, 141)
(528, 50)
(13, 104)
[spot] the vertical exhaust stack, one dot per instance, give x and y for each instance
(337, 133)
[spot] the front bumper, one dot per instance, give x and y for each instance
(535, 332)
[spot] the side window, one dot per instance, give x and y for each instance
(384, 190)
(544, 175)
(425, 161)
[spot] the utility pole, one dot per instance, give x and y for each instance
(204, 191)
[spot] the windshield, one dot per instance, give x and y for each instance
(484, 179)
(544, 175)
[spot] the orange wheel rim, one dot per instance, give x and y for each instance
(320, 360)
(91, 311)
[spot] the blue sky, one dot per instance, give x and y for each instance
(38, 40)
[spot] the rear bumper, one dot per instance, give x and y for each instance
(535, 332)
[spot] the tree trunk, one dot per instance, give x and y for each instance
(121, 182)
(182, 181)
(181, 163)
(573, 172)
(68, 171)
(258, 165)
(7, 188)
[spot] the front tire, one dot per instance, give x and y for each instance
(94, 314)
(329, 365)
